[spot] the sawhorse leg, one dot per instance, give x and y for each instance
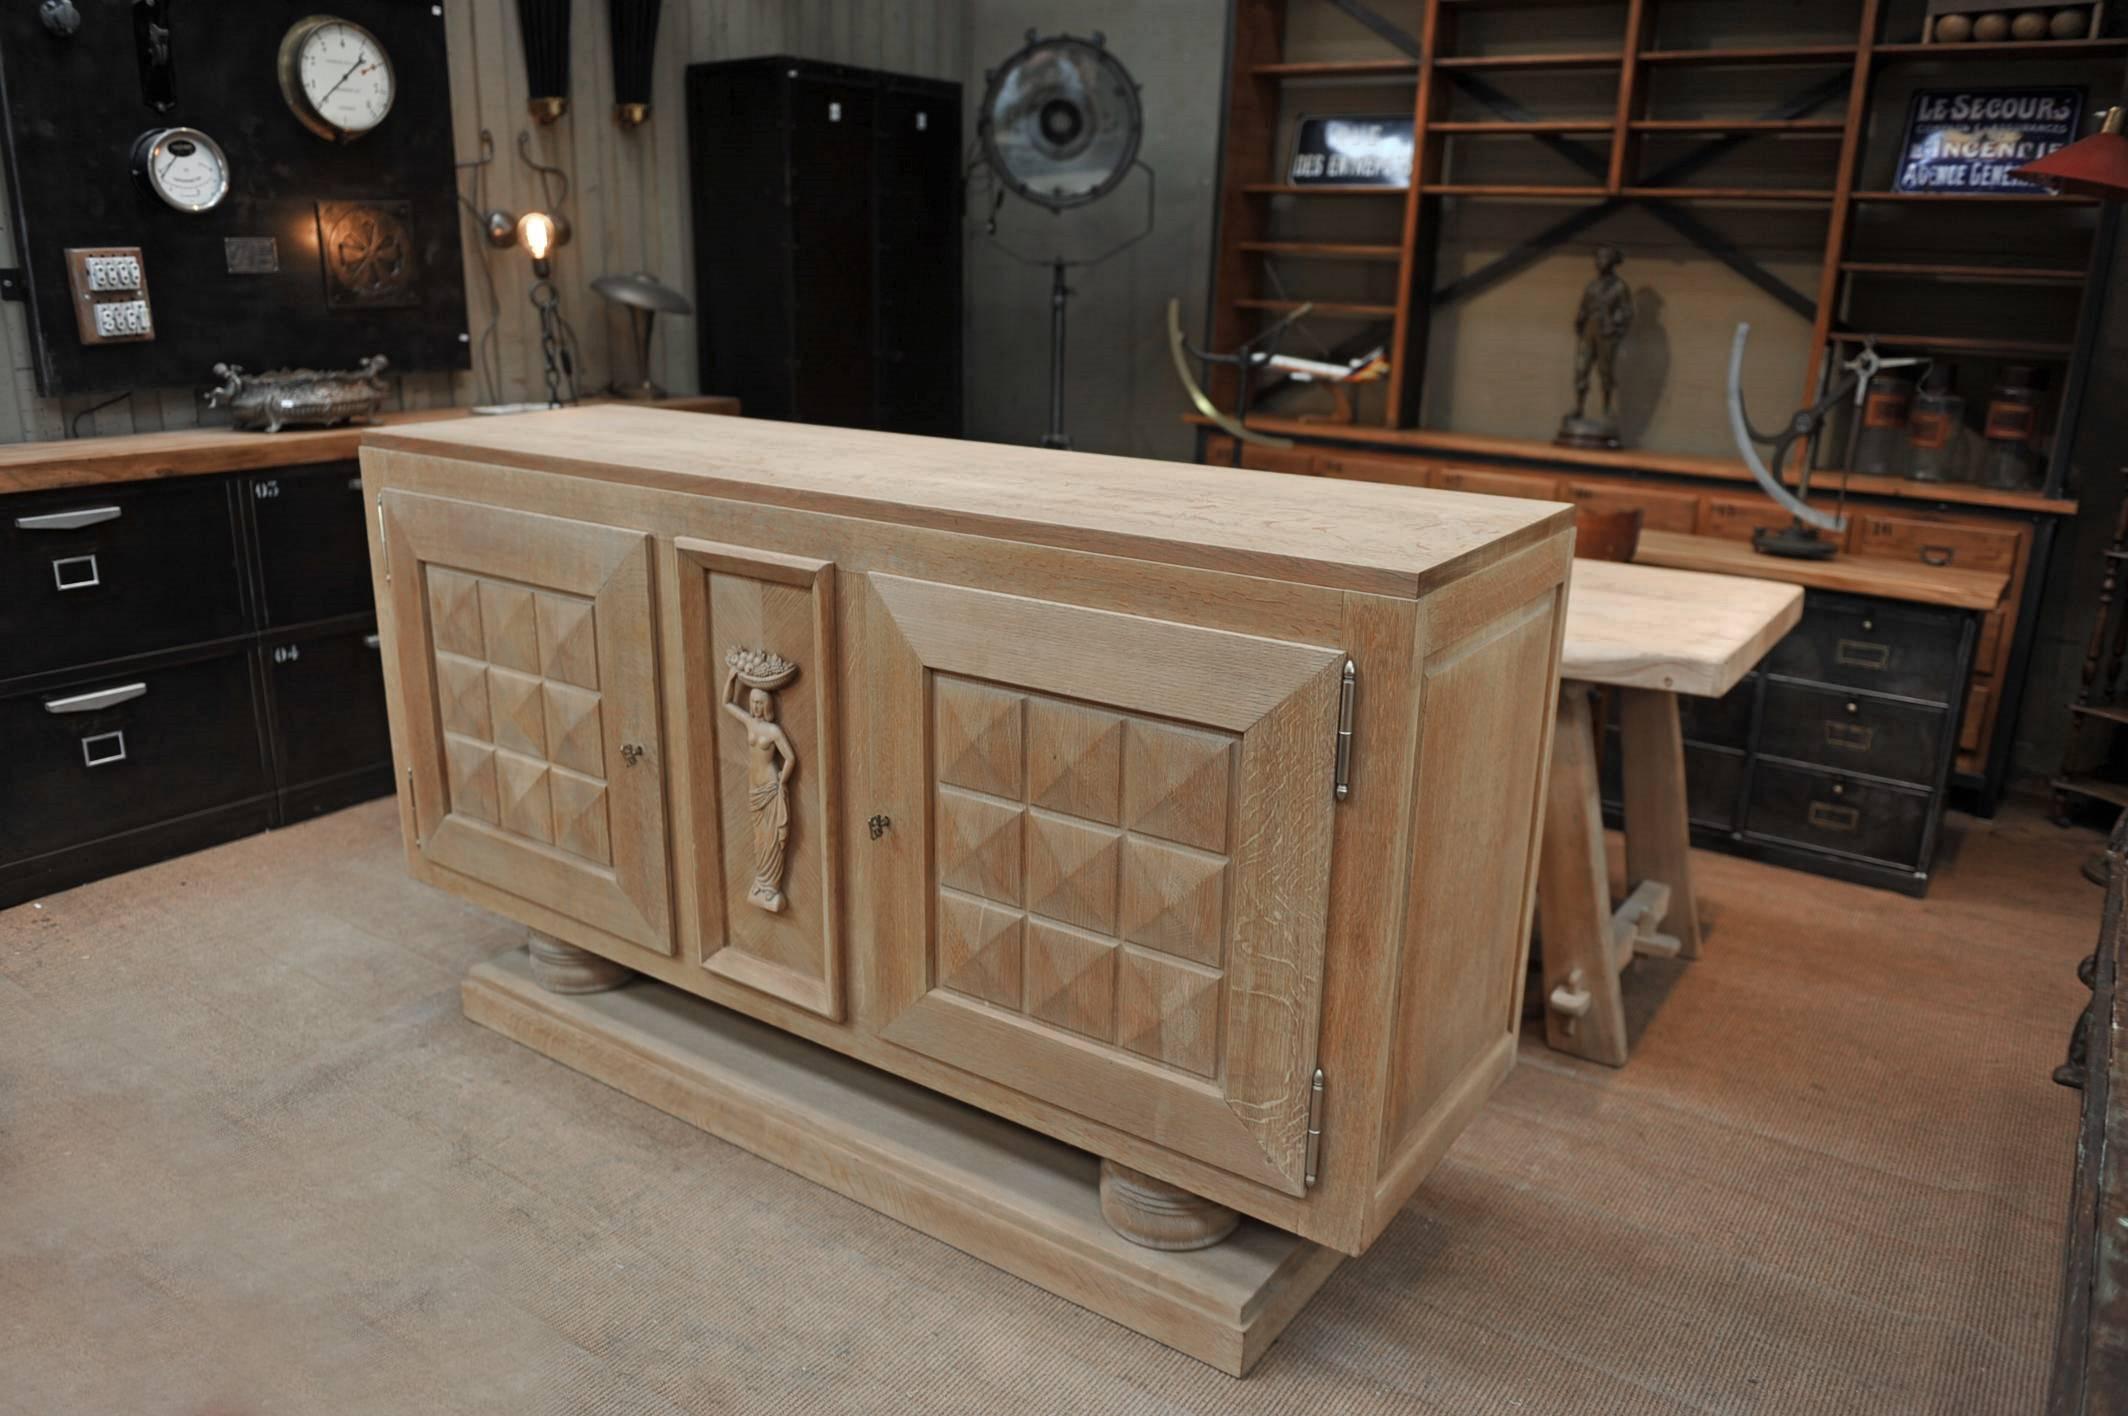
(1583, 1013)
(1658, 831)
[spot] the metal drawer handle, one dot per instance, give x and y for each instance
(102, 749)
(1853, 736)
(1937, 555)
(101, 698)
(73, 520)
(354, 484)
(371, 641)
(76, 573)
(1860, 654)
(1827, 817)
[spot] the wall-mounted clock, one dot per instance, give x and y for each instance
(183, 166)
(336, 77)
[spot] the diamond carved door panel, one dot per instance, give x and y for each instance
(1119, 905)
(525, 651)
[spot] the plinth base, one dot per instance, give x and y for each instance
(1581, 431)
(996, 1191)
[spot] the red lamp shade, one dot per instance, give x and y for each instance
(2096, 166)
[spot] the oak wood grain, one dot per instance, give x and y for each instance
(1637, 626)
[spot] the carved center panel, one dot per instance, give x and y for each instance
(1083, 864)
(517, 689)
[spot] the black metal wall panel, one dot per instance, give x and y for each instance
(74, 108)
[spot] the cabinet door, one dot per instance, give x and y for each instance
(525, 647)
(1106, 877)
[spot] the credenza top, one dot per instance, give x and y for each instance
(1362, 536)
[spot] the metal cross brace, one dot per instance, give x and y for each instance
(1684, 223)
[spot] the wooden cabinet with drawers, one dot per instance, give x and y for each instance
(1205, 843)
(190, 659)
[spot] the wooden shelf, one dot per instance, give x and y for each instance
(2097, 788)
(1962, 344)
(1287, 189)
(1809, 127)
(1976, 198)
(1323, 250)
(1861, 575)
(1526, 451)
(1800, 54)
(1969, 274)
(1321, 307)
(2056, 49)
(1597, 59)
(1339, 69)
(1728, 194)
(1592, 125)
(1513, 193)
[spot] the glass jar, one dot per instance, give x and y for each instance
(2009, 463)
(1880, 446)
(1934, 436)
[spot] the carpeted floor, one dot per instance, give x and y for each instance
(252, 1160)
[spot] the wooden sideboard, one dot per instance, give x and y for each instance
(1187, 816)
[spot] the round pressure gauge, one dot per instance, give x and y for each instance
(183, 166)
(336, 77)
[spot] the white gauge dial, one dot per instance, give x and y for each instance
(184, 167)
(337, 77)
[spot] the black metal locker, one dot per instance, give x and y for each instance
(827, 242)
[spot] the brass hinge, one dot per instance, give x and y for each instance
(1315, 1128)
(1347, 689)
(384, 544)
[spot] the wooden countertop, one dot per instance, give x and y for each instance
(1360, 536)
(193, 452)
(1639, 626)
(1860, 575)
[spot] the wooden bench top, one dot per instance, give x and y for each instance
(1859, 575)
(1639, 626)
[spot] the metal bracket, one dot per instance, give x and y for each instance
(1314, 1161)
(1347, 690)
(13, 284)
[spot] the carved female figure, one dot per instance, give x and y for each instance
(770, 760)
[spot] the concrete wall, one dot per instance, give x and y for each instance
(628, 197)
(1122, 396)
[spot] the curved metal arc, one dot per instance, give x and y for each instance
(1740, 427)
(1202, 401)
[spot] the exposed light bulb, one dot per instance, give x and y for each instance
(536, 230)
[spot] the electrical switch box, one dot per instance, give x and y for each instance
(110, 288)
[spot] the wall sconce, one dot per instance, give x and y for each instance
(544, 26)
(632, 27)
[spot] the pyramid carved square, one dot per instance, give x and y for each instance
(580, 823)
(574, 736)
(1071, 979)
(454, 612)
(1174, 900)
(1071, 871)
(508, 627)
(519, 710)
(521, 785)
(471, 768)
(1176, 783)
(1168, 1010)
(979, 845)
(568, 642)
(462, 695)
(1075, 759)
(979, 949)
(977, 735)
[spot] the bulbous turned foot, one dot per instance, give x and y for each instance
(564, 968)
(1159, 1215)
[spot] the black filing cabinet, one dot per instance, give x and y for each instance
(186, 661)
(827, 242)
(1835, 756)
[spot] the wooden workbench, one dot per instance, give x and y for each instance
(194, 452)
(1651, 634)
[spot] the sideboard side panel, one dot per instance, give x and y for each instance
(1485, 731)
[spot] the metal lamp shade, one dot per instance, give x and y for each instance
(2096, 166)
(1061, 122)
